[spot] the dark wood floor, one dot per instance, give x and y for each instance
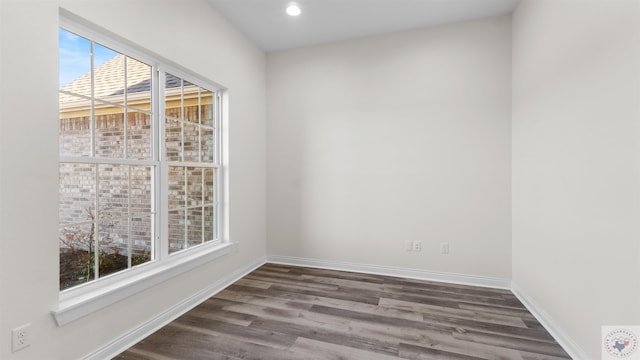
(283, 312)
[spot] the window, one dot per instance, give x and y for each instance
(139, 161)
(190, 153)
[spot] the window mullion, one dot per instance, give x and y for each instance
(129, 221)
(92, 122)
(182, 120)
(96, 228)
(202, 192)
(96, 224)
(186, 211)
(106, 161)
(199, 126)
(218, 178)
(126, 113)
(92, 117)
(217, 136)
(162, 191)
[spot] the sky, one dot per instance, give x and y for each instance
(75, 56)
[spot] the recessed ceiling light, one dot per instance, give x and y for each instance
(293, 10)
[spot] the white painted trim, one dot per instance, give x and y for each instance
(132, 337)
(419, 274)
(567, 343)
(79, 302)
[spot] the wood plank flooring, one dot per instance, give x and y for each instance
(281, 312)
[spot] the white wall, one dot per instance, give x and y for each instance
(576, 181)
(371, 143)
(377, 141)
(190, 33)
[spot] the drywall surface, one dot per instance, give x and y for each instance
(402, 137)
(190, 33)
(576, 186)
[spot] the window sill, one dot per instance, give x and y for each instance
(74, 306)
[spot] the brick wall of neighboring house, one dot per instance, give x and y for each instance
(124, 188)
(120, 188)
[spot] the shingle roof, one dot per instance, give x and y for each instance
(109, 80)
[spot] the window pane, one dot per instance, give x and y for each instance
(114, 246)
(138, 136)
(141, 219)
(76, 255)
(75, 63)
(173, 140)
(77, 192)
(209, 182)
(206, 107)
(116, 202)
(208, 223)
(194, 226)
(190, 92)
(141, 189)
(113, 192)
(138, 84)
(174, 111)
(176, 230)
(191, 109)
(75, 136)
(173, 97)
(109, 128)
(194, 186)
(74, 133)
(108, 74)
(141, 239)
(176, 187)
(191, 142)
(216, 227)
(172, 82)
(208, 145)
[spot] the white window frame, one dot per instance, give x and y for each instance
(84, 299)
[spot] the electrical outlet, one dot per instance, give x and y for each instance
(21, 337)
(444, 248)
(409, 246)
(417, 245)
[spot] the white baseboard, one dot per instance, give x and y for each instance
(134, 336)
(549, 324)
(394, 271)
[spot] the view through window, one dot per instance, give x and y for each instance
(115, 150)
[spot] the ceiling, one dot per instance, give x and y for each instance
(322, 21)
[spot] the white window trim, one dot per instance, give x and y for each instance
(85, 299)
(73, 306)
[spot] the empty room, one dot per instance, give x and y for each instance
(319, 179)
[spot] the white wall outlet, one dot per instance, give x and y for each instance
(409, 246)
(21, 337)
(444, 248)
(417, 245)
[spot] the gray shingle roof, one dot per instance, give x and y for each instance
(109, 80)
